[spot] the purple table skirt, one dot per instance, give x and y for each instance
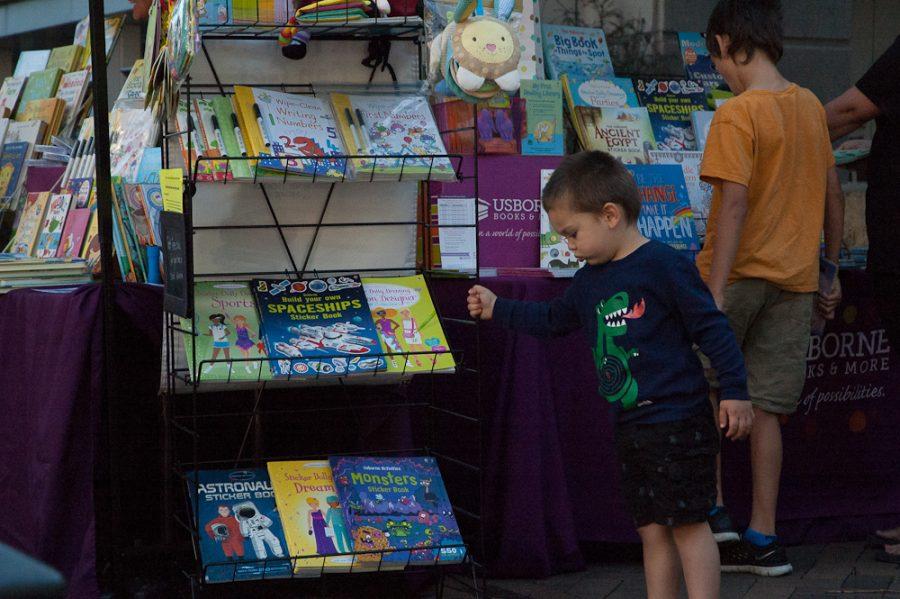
(552, 479)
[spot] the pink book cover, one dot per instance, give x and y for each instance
(73, 233)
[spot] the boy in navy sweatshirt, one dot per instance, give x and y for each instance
(643, 307)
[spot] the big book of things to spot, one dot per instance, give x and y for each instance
(240, 533)
(398, 511)
(318, 327)
(576, 51)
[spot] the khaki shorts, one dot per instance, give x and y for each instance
(772, 327)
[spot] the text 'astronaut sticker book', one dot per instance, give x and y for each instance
(241, 536)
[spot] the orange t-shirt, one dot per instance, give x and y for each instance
(777, 145)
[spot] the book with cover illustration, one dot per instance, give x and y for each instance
(555, 252)
(211, 132)
(408, 323)
(576, 51)
(151, 194)
(31, 61)
(73, 233)
(40, 84)
(500, 124)
(311, 515)
(72, 89)
(626, 133)
(455, 120)
(398, 510)
(149, 166)
(608, 92)
(48, 110)
(214, 12)
(698, 65)
(665, 205)
(701, 120)
(241, 536)
(231, 137)
(10, 93)
(67, 58)
(228, 328)
(391, 125)
(302, 128)
(81, 188)
(699, 191)
(670, 104)
(91, 250)
(204, 168)
(544, 118)
(51, 229)
(137, 214)
(30, 224)
(531, 42)
(12, 162)
(318, 326)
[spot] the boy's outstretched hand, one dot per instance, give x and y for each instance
(481, 302)
(736, 418)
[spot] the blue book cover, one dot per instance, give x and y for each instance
(214, 12)
(698, 65)
(318, 326)
(543, 117)
(576, 51)
(608, 92)
(670, 104)
(11, 162)
(240, 532)
(666, 213)
(398, 504)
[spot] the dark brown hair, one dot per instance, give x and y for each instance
(750, 25)
(588, 180)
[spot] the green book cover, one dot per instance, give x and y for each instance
(544, 119)
(41, 84)
(228, 328)
(67, 58)
(224, 111)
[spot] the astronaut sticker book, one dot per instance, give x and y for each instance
(240, 532)
(312, 516)
(398, 508)
(318, 327)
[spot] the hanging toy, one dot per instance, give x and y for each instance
(476, 58)
(293, 40)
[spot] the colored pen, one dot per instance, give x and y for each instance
(362, 130)
(68, 172)
(238, 134)
(86, 160)
(353, 132)
(218, 132)
(259, 121)
(192, 128)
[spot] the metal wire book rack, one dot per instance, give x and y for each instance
(232, 424)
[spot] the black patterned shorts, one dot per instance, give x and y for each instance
(669, 470)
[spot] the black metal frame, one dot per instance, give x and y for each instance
(183, 415)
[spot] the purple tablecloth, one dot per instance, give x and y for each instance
(551, 475)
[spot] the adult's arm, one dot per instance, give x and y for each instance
(848, 112)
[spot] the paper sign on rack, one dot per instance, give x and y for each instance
(170, 183)
(457, 242)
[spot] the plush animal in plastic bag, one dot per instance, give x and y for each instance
(476, 58)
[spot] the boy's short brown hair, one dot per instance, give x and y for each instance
(751, 25)
(588, 180)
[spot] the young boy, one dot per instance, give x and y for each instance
(643, 306)
(770, 162)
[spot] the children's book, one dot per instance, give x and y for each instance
(626, 133)
(72, 89)
(30, 224)
(609, 92)
(132, 93)
(407, 323)
(398, 510)
(699, 191)
(73, 233)
(149, 166)
(52, 227)
(455, 120)
(211, 132)
(665, 205)
(214, 12)
(241, 536)
(137, 214)
(231, 137)
(12, 162)
(48, 110)
(317, 327)
(80, 189)
(576, 51)
(670, 104)
(700, 121)
(698, 65)
(500, 124)
(228, 328)
(130, 252)
(204, 168)
(312, 516)
(10, 93)
(248, 123)
(531, 46)
(302, 128)
(394, 126)
(40, 84)
(555, 252)
(31, 61)
(151, 194)
(544, 118)
(90, 252)
(67, 58)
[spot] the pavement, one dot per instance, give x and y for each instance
(820, 571)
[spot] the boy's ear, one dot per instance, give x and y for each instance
(723, 41)
(611, 213)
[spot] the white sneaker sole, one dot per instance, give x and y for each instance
(726, 537)
(761, 570)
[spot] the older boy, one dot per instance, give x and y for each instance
(643, 305)
(770, 162)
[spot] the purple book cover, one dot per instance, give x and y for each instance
(509, 207)
(43, 178)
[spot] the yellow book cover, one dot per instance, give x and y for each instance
(245, 11)
(311, 515)
(30, 224)
(570, 104)
(250, 131)
(47, 110)
(67, 58)
(407, 323)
